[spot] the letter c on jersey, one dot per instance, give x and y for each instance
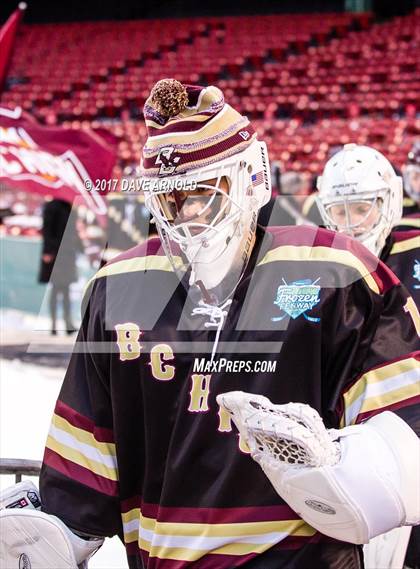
(159, 354)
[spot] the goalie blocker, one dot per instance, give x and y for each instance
(351, 484)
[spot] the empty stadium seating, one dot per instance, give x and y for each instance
(308, 82)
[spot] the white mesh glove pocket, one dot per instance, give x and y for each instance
(351, 484)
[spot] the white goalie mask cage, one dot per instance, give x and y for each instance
(206, 217)
(360, 177)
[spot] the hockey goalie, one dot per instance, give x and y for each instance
(138, 445)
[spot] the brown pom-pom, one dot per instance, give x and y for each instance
(169, 97)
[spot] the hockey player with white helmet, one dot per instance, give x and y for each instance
(359, 194)
(141, 441)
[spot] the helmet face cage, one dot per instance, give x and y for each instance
(218, 195)
(210, 200)
(207, 217)
(356, 214)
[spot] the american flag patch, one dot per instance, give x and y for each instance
(257, 178)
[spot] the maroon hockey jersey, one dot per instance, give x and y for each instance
(409, 223)
(138, 446)
(402, 255)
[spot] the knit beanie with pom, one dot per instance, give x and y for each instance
(190, 127)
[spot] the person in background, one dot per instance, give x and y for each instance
(354, 199)
(128, 223)
(276, 174)
(411, 202)
(60, 245)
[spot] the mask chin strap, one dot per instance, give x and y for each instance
(217, 315)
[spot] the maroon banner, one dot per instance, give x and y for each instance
(62, 163)
(7, 39)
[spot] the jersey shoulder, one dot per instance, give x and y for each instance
(404, 260)
(406, 242)
(144, 261)
(147, 256)
(409, 222)
(151, 247)
(315, 244)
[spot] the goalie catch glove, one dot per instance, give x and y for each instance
(351, 484)
(33, 539)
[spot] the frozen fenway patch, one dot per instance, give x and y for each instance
(297, 298)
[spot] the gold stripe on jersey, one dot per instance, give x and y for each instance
(217, 530)
(411, 221)
(385, 399)
(190, 541)
(258, 543)
(83, 436)
(184, 554)
(148, 263)
(131, 515)
(408, 202)
(321, 253)
(406, 245)
(79, 455)
(380, 374)
(381, 387)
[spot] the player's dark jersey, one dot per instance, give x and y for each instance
(402, 255)
(412, 559)
(408, 223)
(138, 445)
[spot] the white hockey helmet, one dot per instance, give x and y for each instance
(360, 194)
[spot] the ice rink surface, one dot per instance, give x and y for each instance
(27, 396)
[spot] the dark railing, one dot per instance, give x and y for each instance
(20, 466)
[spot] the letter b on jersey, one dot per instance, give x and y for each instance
(128, 335)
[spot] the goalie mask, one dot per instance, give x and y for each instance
(205, 176)
(360, 194)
